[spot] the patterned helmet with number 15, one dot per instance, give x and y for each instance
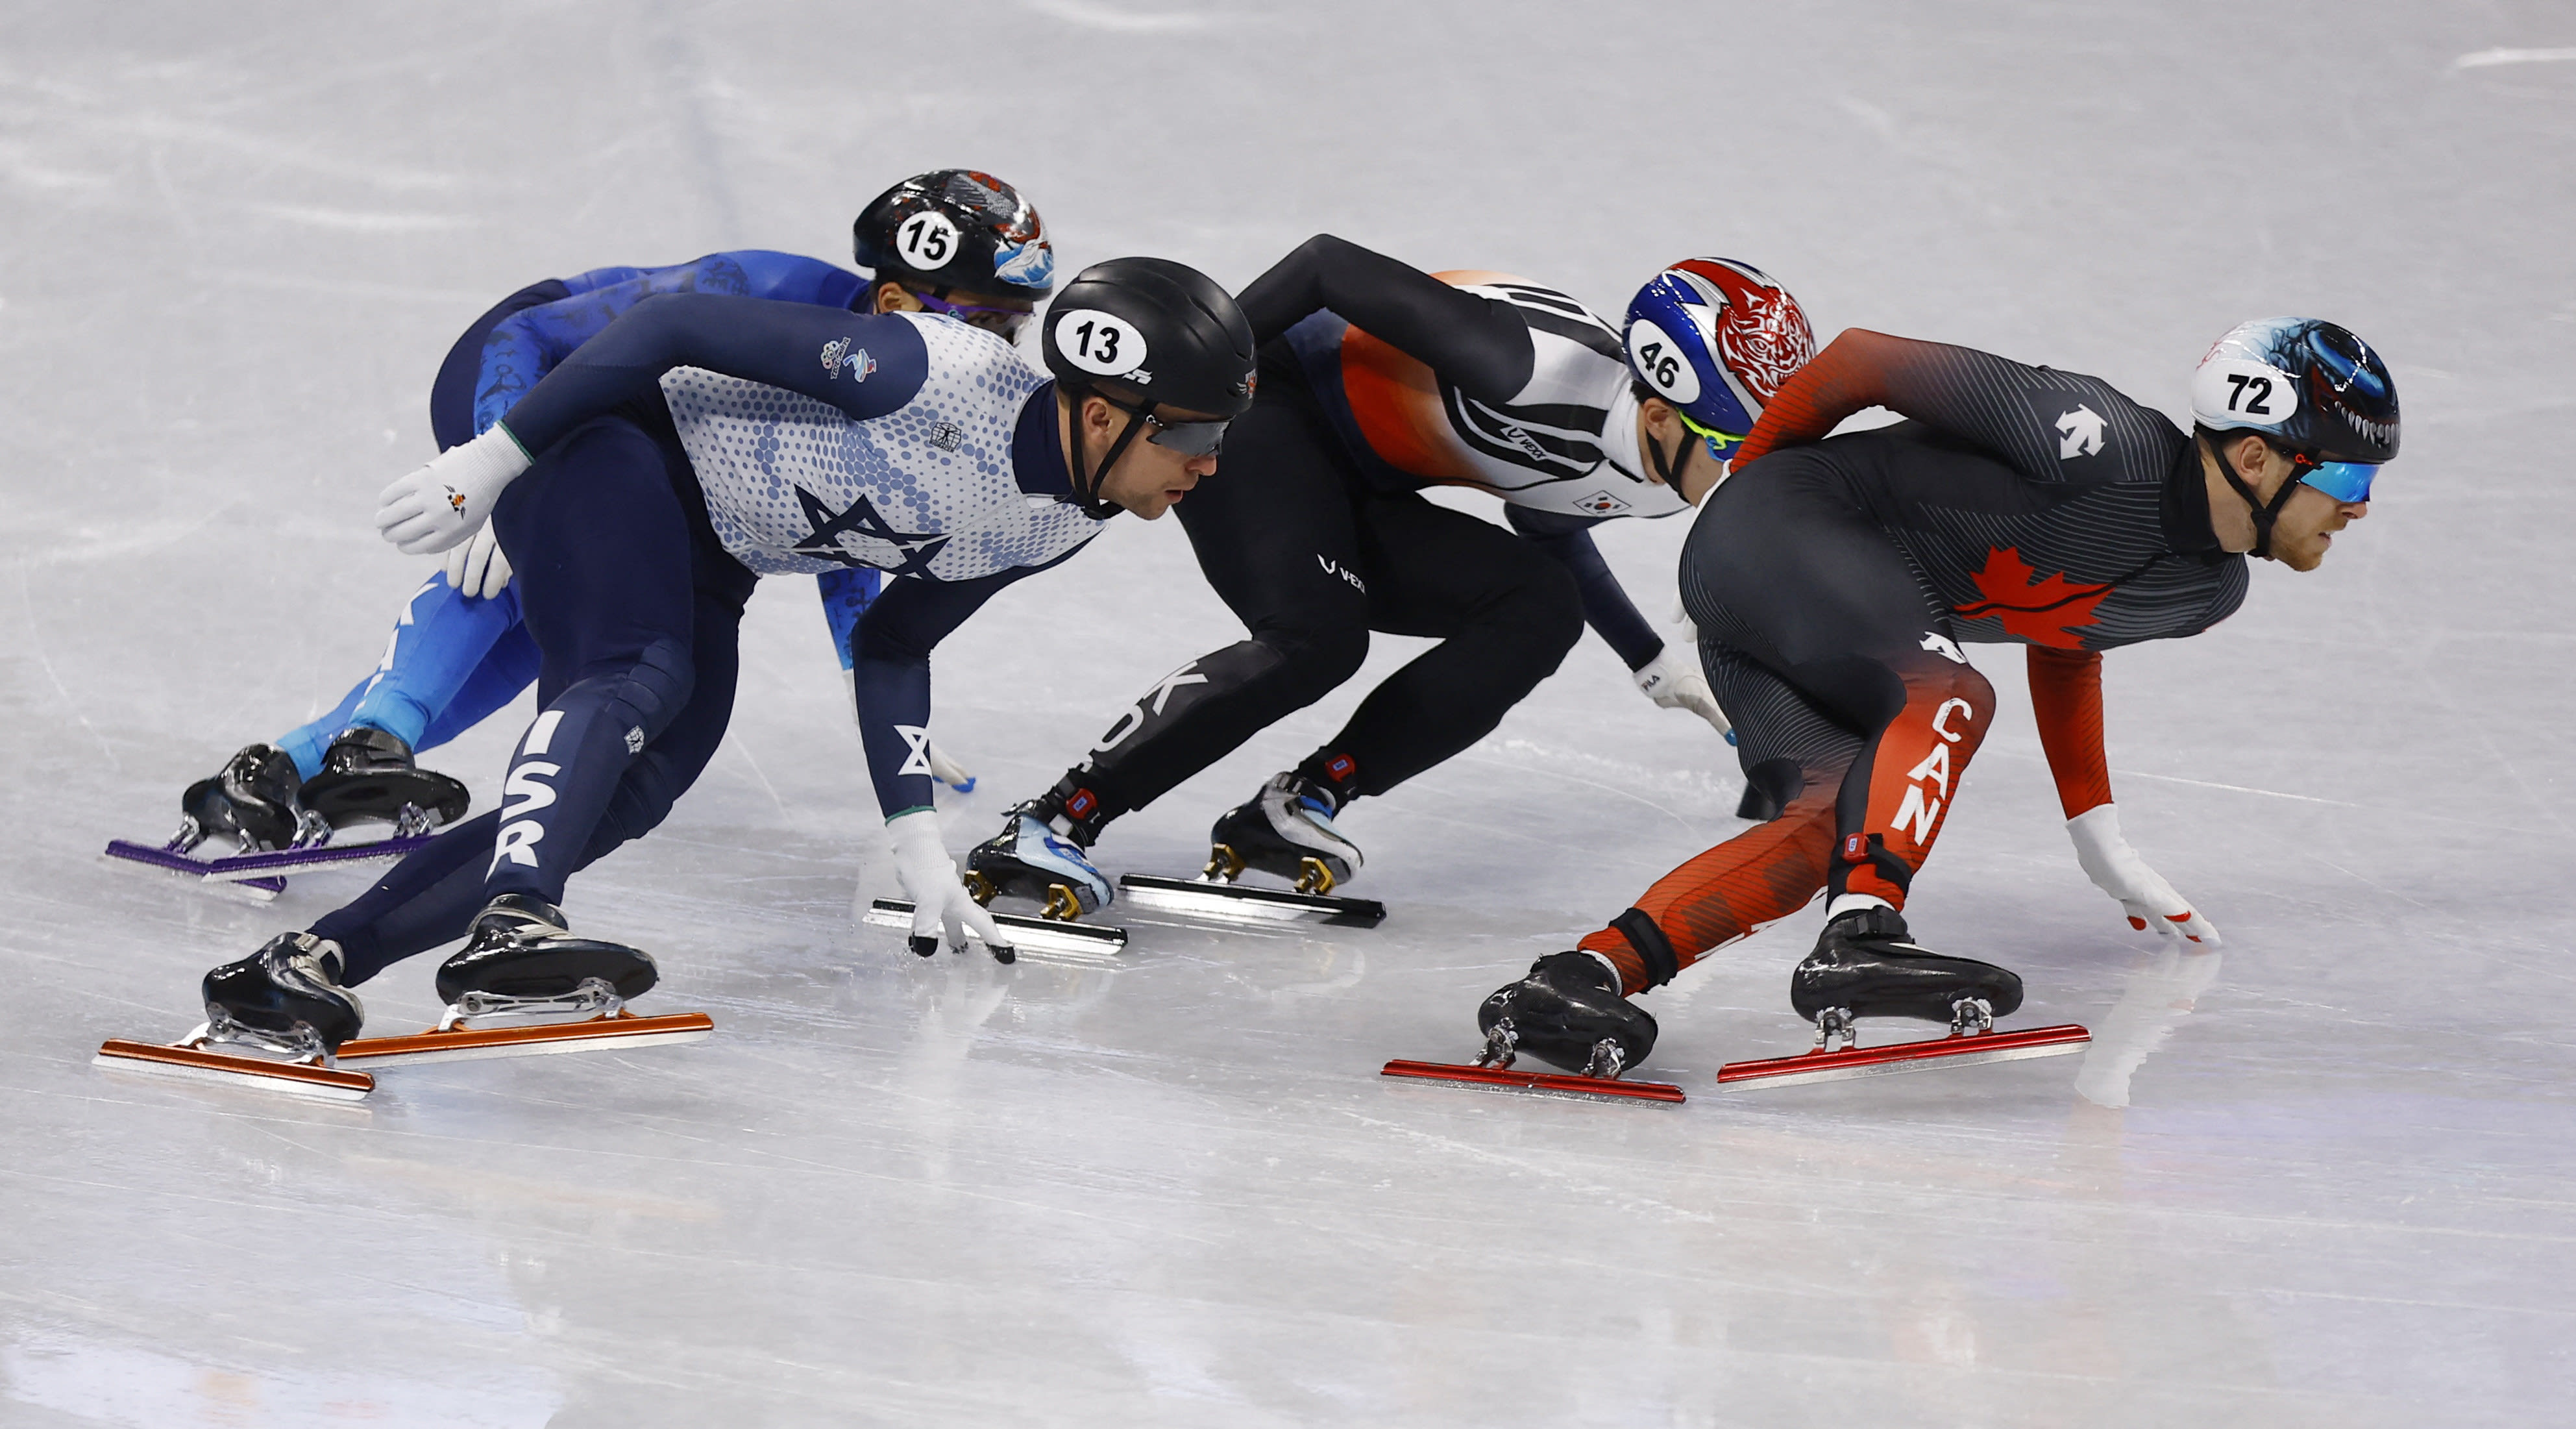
(1716, 338)
(956, 228)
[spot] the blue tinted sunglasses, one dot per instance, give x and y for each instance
(2347, 481)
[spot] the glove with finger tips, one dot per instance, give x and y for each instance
(1673, 684)
(941, 906)
(478, 569)
(438, 506)
(2115, 868)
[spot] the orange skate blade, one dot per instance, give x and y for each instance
(598, 1034)
(1951, 1051)
(197, 1064)
(1548, 1084)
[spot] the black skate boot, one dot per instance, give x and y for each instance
(1286, 831)
(285, 998)
(368, 773)
(521, 959)
(253, 801)
(1567, 1013)
(1041, 854)
(1866, 965)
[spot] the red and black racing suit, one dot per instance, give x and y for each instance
(1833, 579)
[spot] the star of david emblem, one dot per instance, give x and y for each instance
(914, 550)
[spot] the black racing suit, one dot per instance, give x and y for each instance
(1831, 581)
(1315, 533)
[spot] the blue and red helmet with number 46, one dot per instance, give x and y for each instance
(1716, 338)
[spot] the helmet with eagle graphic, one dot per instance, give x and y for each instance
(956, 228)
(1716, 338)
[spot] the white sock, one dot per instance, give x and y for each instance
(1851, 901)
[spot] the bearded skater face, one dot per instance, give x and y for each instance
(2305, 529)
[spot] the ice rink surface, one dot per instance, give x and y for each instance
(2318, 1177)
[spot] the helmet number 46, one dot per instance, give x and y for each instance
(926, 241)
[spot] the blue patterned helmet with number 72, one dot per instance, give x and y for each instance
(1715, 338)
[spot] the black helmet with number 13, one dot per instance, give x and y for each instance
(1148, 335)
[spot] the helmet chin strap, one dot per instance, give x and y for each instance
(1086, 484)
(2264, 513)
(1664, 467)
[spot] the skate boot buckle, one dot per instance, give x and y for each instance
(1312, 876)
(593, 997)
(1607, 1060)
(1836, 1024)
(1224, 865)
(302, 1046)
(412, 821)
(1971, 1017)
(1502, 1044)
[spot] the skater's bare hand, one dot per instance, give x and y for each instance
(941, 906)
(2116, 869)
(441, 504)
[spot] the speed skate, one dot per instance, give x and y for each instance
(591, 1018)
(1838, 1055)
(260, 875)
(1493, 1071)
(1225, 901)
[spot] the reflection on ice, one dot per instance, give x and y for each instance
(103, 1383)
(2159, 996)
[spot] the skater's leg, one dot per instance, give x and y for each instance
(1794, 760)
(440, 642)
(1504, 612)
(1785, 566)
(306, 742)
(511, 665)
(605, 580)
(427, 899)
(1273, 532)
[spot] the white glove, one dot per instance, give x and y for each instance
(948, 771)
(439, 505)
(940, 901)
(478, 568)
(2116, 869)
(1675, 685)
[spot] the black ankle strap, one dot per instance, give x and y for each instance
(1653, 948)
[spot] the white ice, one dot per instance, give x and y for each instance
(2319, 1177)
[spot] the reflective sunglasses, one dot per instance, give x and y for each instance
(1190, 439)
(1005, 321)
(2345, 481)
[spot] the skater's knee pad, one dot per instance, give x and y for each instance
(655, 687)
(1315, 660)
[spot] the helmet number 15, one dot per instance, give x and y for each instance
(926, 241)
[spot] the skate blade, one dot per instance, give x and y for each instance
(1550, 1084)
(1952, 1051)
(1237, 903)
(197, 1064)
(258, 889)
(1094, 943)
(244, 866)
(465, 1044)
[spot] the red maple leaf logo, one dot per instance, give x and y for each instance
(2044, 610)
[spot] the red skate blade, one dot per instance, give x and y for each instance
(465, 1044)
(1951, 1051)
(197, 1064)
(1552, 1084)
